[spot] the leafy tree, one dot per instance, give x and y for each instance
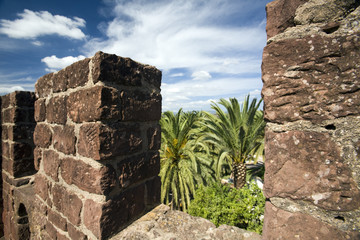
(237, 135)
(183, 164)
(243, 208)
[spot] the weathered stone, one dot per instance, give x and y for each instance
(51, 163)
(163, 223)
(12, 115)
(42, 188)
(21, 131)
(280, 15)
(99, 141)
(56, 110)
(153, 191)
(64, 139)
(318, 173)
(323, 11)
(37, 158)
(68, 203)
(5, 101)
(43, 85)
(105, 104)
(154, 137)
(75, 234)
(57, 220)
(316, 87)
(21, 150)
(95, 180)
(42, 136)
(140, 106)
(299, 226)
(40, 110)
(138, 168)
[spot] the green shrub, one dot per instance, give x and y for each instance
(243, 208)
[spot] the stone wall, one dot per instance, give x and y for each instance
(17, 161)
(311, 97)
(95, 164)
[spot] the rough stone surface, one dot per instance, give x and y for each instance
(280, 15)
(318, 172)
(163, 223)
(311, 97)
(280, 224)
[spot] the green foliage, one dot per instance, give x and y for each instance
(183, 165)
(220, 204)
(236, 135)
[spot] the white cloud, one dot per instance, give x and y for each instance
(54, 63)
(37, 43)
(183, 34)
(201, 75)
(177, 75)
(31, 25)
(6, 90)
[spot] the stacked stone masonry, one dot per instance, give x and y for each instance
(95, 152)
(311, 76)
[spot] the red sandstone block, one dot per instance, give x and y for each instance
(308, 166)
(37, 158)
(100, 141)
(154, 137)
(40, 110)
(86, 177)
(51, 163)
(298, 225)
(5, 101)
(75, 234)
(64, 139)
(42, 136)
(319, 86)
(43, 86)
(57, 220)
(67, 203)
(51, 230)
(42, 188)
(21, 150)
(5, 151)
(20, 131)
(141, 106)
(56, 110)
(105, 104)
(153, 191)
(138, 168)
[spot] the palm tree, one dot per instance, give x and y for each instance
(183, 164)
(238, 135)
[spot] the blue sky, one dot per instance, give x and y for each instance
(207, 50)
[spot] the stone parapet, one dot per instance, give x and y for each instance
(311, 97)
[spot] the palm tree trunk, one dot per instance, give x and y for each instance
(239, 172)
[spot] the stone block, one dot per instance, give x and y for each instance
(57, 220)
(5, 101)
(141, 106)
(14, 115)
(21, 150)
(76, 234)
(280, 15)
(56, 111)
(107, 218)
(22, 99)
(67, 203)
(20, 131)
(51, 163)
(37, 158)
(64, 139)
(314, 78)
(308, 166)
(280, 224)
(40, 110)
(42, 136)
(42, 188)
(154, 137)
(43, 85)
(86, 177)
(138, 168)
(153, 191)
(105, 104)
(100, 141)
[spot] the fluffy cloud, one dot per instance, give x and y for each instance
(54, 63)
(201, 75)
(31, 25)
(183, 34)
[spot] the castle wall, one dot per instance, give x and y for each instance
(17, 113)
(311, 97)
